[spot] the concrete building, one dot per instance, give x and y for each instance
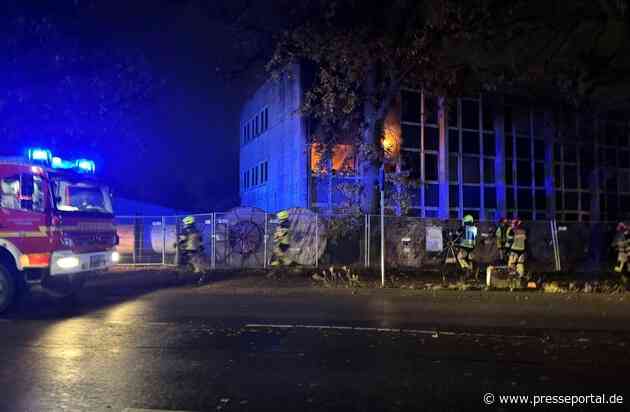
(489, 156)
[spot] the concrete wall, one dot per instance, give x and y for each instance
(282, 145)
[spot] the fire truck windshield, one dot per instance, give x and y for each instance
(74, 196)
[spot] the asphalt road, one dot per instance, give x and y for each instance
(133, 342)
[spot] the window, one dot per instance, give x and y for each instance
(411, 163)
(23, 192)
(470, 169)
(410, 137)
(431, 195)
(430, 167)
(470, 142)
(431, 138)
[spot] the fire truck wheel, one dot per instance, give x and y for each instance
(7, 288)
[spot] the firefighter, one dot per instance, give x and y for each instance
(501, 238)
(281, 239)
(467, 242)
(621, 243)
(190, 243)
(517, 241)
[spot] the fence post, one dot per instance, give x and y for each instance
(213, 249)
(163, 240)
(369, 236)
(316, 240)
(265, 237)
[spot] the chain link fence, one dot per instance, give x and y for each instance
(244, 238)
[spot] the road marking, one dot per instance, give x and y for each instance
(433, 333)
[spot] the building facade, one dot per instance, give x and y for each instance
(489, 156)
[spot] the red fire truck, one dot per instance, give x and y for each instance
(56, 225)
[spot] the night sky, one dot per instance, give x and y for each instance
(189, 126)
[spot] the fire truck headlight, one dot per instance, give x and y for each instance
(115, 257)
(69, 262)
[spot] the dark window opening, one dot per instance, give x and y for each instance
(471, 196)
(470, 169)
(470, 142)
(430, 166)
(431, 138)
(431, 195)
(524, 199)
(410, 136)
(453, 140)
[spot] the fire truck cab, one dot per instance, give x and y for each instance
(56, 225)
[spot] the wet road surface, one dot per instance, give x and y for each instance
(136, 343)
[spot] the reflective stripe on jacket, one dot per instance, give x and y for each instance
(469, 238)
(520, 237)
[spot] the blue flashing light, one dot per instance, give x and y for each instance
(59, 163)
(85, 166)
(39, 155)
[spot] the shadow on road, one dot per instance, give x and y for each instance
(98, 293)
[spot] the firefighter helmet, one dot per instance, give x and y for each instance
(468, 219)
(282, 215)
(189, 221)
(516, 222)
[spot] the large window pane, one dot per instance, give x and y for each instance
(539, 171)
(541, 200)
(453, 196)
(470, 114)
(470, 142)
(570, 153)
(524, 199)
(411, 163)
(570, 177)
(571, 201)
(523, 173)
(539, 149)
(453, 140)
(490, 197)
(411, 109)
(471, 196)
(488, 116)
(539, 124)
(586, 201)
(507, 119)
(488, 171)
(509, 195)
(431, 138)
(453, 168)
(509, 147)
(430, 166)
(410, 136)
(489, 147)
(470, 169)
(431, 195)
(523, 148)
(430, 109)
(509, 173)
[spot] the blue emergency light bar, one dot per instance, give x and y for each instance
(45, 156)
(59, 163)
(85, 166)
(37, 154)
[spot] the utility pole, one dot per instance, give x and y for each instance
(382, 187)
